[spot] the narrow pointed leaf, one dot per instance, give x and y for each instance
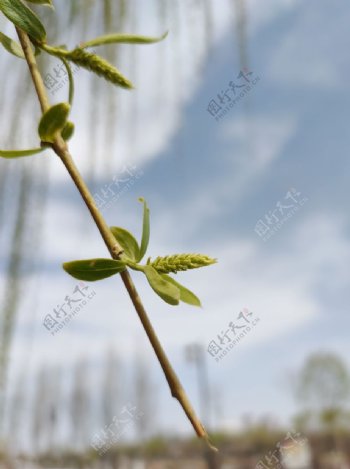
(11, 46)
(53, 121)
(20, 153)
(24, 18)
(166, 290)
(185, 295)
(93, 269)
(122, 38)
(127, 242)
(145, 229)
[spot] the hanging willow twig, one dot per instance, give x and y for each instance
(60, 146)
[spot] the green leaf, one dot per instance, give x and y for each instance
(122, 38)
(127, 242)
(20, 153)
(24, 18)
(67, 131)
(42, 2)
(166, 290)
(53, 121)
(93, 269)
(11, 46)
(185, 295)
(145, 230)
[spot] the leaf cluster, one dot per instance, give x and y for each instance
(165, 286)
(55, 121)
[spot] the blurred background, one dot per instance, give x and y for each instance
(237, 137)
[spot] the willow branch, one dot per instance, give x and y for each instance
(61, 149)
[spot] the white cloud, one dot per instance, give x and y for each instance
(256, 145)
(304, 56)
(263, 137)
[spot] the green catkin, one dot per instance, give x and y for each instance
(99, 66)
(179, 262)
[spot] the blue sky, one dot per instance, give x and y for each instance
(207, 184)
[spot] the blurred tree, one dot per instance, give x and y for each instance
(145, 399)
(40, 412)
(53, 406)
(112, 388)
(16, 411)
(324, 381)
(304, 421)
(323, 387)
(80, 406)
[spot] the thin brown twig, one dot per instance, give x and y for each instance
(61, 149)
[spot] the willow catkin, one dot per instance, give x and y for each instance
(179, 262)
(98, 65)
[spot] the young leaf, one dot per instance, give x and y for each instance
(145, 230)
(53, 121)
(122, 38)
(127, 242)
(166, 290)
(185, 295)
(20, 153)
(67, 131)
(93, 269)
(11, 46)
(24, 18)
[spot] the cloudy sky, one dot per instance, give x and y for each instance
(209, 184)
